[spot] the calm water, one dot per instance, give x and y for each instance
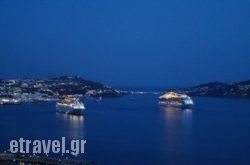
(119, 131)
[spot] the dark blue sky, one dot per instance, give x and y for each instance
(129, 42)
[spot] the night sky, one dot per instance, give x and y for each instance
(129, 42)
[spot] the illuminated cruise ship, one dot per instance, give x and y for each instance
(70, 105)
(173, 99)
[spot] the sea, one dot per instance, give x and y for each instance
(119, 131)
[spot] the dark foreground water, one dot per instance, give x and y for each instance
(119, 131)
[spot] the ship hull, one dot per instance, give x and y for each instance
(69, 110)
(176, 105)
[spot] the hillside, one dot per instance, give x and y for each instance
(220, 89)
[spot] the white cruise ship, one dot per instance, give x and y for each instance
(70, 105)
(173, 99)
(10, 101)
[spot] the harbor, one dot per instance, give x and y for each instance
(123, 132)
(17, 91)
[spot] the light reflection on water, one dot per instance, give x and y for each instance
(178, 131)
(178, 116)
(72, 125)
(72, 118)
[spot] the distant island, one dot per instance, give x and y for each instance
(38, 90)
(220, 89)
(15, 91)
